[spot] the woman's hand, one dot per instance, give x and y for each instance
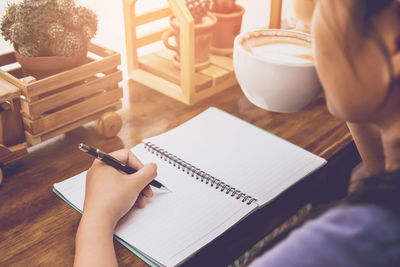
(109, 195)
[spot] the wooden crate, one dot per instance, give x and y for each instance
(67, 100)
(157, 71)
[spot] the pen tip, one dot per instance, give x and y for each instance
(166, 189)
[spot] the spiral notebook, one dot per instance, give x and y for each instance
(220, 169)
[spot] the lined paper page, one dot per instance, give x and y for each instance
(240, 154)
(172, 226)
(73, 189)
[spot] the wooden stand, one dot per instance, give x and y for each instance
(158, 71)
(62, 102)
(275, 14)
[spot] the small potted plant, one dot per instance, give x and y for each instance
(203, 29)
(49, 36)
(229, 15)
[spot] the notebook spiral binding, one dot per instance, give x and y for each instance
(199, 174)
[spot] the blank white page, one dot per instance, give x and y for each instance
(246, 157)
(174, 225)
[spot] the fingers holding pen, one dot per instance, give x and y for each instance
(147, 191)
(141, 201)
(126, 156)
(141, 181)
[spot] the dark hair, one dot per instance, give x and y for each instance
(363, 10)
(362, 13)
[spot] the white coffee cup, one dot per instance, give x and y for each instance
(271, 79)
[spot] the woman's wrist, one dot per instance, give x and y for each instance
(99, 220)
(94, 241)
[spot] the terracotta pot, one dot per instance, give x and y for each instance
(227, 28)
(202, 37)
(42, 67)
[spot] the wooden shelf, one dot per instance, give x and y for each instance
(157, 70)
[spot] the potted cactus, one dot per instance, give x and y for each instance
(229, 15)
(49, 36)
(203, 28)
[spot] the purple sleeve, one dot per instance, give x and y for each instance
(362, 235)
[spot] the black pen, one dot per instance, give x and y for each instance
(113, 162)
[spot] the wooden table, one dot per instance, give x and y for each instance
(38, 228)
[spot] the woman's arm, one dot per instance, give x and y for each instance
(369, 144)
(109, 195)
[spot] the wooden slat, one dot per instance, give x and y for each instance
(152, 15)
(70, 76)
(71, 113)
(222, 62)
(7, 58)
(275, 14)
(100, 50)
(12, 128)
(152, 81)
(8, 91)
(34, 109)
(180, 10)
(37, 139)
(130, 34)
(165, 69)
(16, 72)
(187, 41)
(11, 79)
(216, 73)
(215, 89)
(165, 53)
(150, 38)
(110, 71)
(8, 154)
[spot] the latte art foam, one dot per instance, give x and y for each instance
(284, 52)
(287, 50)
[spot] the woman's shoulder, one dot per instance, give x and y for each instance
(346, 235)
(369, 220)
(365, 215)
